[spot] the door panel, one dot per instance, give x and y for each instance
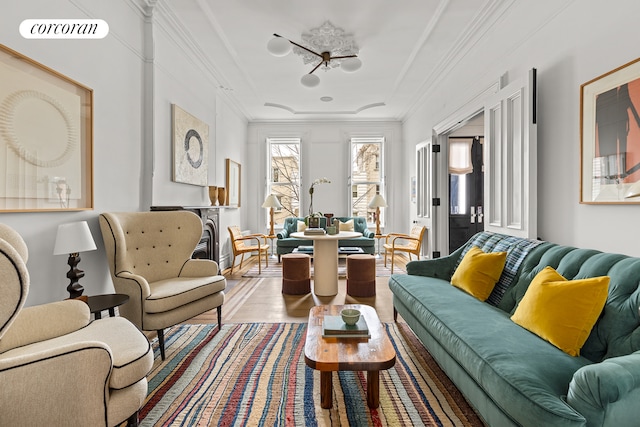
(511, 159)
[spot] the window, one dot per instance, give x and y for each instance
(367, 176)
(284, 178)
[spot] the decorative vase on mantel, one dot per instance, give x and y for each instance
(213, 194)
(222, 196)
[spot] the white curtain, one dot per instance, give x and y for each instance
(460, 156)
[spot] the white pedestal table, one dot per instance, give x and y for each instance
(325, 260)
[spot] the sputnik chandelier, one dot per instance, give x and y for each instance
(326, 47)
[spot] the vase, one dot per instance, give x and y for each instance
(213, 194)
(222, 196)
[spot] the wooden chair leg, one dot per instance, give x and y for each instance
(242, 260)
(259, 262)
(219, 317)
(233, 262)
(393, 254)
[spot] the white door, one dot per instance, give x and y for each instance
(510, 159)
(425, 170)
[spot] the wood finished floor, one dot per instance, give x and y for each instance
(244, 304)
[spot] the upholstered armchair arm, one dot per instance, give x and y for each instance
(199, 268)
(44, 322)
(368, 234)
(282, 234)
(37, 390)
(440, 268)
(126, 279)
(607, 393)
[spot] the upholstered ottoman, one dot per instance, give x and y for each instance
(296, 274)
(361, 275)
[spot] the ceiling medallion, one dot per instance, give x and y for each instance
(326, 46)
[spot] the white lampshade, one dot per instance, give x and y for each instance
(310, 80)
(350, 65)
(633, 191)
(378, 202)
(74, 237)
(279, 46)
(271, 202)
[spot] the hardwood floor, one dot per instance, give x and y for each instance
(245, 303)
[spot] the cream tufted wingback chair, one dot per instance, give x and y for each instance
(149, 257)
(57, 367)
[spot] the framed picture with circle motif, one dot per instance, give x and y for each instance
(190, 148)
(46, 138)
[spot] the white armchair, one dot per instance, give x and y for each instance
(149, 256)
(57, 367)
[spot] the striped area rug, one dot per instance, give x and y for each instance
(254, 374)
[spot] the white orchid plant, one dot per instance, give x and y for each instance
(311, 189)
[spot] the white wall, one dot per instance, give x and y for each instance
(132, 140)
(582, 41)
(325, 153)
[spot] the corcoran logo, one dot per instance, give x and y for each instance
(64, 29)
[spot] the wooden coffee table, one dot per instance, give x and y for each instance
(348, 354)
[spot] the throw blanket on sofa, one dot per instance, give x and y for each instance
(517, 250)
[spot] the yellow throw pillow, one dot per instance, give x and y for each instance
(301, 226)
(346, 226)
(562, 311)
(479, 272)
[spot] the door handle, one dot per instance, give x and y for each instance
(473, 214)
(480, 215)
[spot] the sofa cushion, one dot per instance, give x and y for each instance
(562, 311)
(301, 226)
(524, 375)
(479, 272)
(347, 226)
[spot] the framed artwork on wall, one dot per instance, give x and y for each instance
(233, 183)
(610, 137)
(190, 148)
(46, 138)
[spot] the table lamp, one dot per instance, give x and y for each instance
(73, 238)
(272, 203)
(378, 202)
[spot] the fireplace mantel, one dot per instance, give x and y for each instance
(209, 245)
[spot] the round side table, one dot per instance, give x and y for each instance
(99, 303)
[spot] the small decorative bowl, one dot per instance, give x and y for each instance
(350, 316)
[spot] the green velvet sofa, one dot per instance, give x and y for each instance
(286, 244)
(510, 375)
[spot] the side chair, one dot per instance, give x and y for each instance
(239, 247)
(398, 242)
(57, 366)
(149, 255)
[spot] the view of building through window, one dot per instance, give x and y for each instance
(366, 176)
(284, 179)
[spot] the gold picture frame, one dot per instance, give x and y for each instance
(233, 182)
(610, 137)
(46, 138)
